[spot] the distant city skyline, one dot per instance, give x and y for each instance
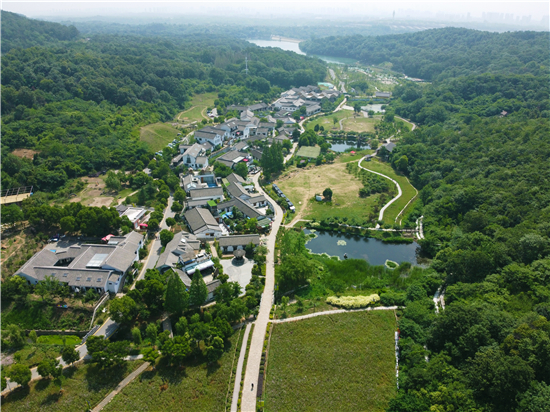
(506, 12)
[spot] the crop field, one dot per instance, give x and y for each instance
(195, 387)
(301, 185)
(310, 152)
(408, 190)
(81, 385)
(158, 135)
(338, 362)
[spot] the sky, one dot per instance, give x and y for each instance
(516, 10)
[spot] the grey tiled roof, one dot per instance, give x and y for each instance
(200, 218)
(235, 178)
(237, 240)
(240, 204)
(236, 190)
(210, 192)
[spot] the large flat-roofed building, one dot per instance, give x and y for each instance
(82, 267)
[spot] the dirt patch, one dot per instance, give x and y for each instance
(101, 201)
(24, 153)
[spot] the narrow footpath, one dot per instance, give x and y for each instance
(239, 372)
(331, 312)
(400, 192)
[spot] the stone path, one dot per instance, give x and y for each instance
(331, 312)
(239, 373)
(121, 386)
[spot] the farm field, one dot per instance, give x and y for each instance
(196, 387)
(158, 135)
(408, 190)
(340, 362)
(81, 384)
(301, 185)
(197, 108)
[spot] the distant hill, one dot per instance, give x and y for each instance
(443, 53)
(21, 32)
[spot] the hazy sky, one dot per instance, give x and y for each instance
(349, 9)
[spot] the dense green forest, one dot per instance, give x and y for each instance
(79, 104)
(20, 32)
(444, 53)
(480, 160)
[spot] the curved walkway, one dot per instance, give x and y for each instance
(400, 192)
(330, 312)
(408, 203)
(406, 121)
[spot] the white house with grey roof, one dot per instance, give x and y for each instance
(82, 267)
(210, 134)
(229, 244)
(208, 193)
(182, 249)
(194, 157)
(202, 224)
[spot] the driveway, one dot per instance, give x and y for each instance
(238, 271)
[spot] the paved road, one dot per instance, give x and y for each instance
(239, 373)
(248, 403)
(406, 121)
(381, 215)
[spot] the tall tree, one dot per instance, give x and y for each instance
(198, 292)
(176, 299)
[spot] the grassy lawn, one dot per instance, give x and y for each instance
(158, 135)
(80, 384)
(301, 185)
(359, 124)
(198, 387)
(341, 362)
(311, 152)
(408, 190)
(327, 121)
(197, 109)
(70, 340)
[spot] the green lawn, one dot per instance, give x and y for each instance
(81, 384)
(197, 108)
(340, 362)
(311, 152)
(327, 121)
(158, 135)
(70, 340)
(359, 124)
(303, 184)
(197, 387)
(408, 190)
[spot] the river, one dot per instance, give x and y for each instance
(372, 250)
(292, 46)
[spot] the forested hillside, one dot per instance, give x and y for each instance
(480, 159)
(444, 53)
(18, 31)
(79, 105)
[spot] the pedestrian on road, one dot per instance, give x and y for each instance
(252, 387)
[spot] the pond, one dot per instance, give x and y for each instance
(292, 46)
(342, 146)
(373, 251)
(377, 108)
